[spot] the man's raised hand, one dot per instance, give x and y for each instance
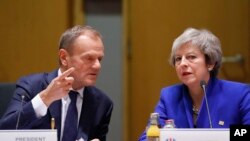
(58, 88)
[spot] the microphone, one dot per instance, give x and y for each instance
(203, 86)
(19, 114)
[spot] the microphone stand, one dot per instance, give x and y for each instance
(19, 114)
(203, 86)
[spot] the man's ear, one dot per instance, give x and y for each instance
(63, 56)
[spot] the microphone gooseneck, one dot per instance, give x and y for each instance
(19, 114)
(203, 86)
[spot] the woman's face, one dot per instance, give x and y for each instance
(190, 65)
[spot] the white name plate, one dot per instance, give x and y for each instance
(195, 134)
(28, 135)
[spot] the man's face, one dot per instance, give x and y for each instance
(85, 57)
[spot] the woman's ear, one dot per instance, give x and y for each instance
(210, 67)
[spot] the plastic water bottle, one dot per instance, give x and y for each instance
(169, 123)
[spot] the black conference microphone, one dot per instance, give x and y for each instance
(203, 86)
(19, 114)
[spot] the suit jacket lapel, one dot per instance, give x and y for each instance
(51, 76)
(55, 111)
(87, 114)
(55, 108)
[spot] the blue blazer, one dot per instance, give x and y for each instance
(94, 119)
(228, 102)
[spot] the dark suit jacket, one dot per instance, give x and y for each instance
(94, 119)
(229, 103)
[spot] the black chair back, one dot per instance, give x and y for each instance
(6, 93)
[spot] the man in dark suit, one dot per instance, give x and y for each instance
(39, 98)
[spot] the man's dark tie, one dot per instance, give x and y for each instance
(70, 126)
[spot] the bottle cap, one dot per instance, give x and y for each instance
(154, 118)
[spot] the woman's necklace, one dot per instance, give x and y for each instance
(195, 114)
(195, 110)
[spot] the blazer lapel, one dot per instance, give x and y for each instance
(55, 108)
(51, 76)
(212, 97)
(87, 113)
(187, 106)
(55, 111)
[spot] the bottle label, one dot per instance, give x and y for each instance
(153, 139)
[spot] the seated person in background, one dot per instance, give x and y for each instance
(68, 95)
(196, 56)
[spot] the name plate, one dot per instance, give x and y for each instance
(28, 135)
(197, 134)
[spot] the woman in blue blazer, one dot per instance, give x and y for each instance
(201, 100)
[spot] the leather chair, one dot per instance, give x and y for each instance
(6, 92)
